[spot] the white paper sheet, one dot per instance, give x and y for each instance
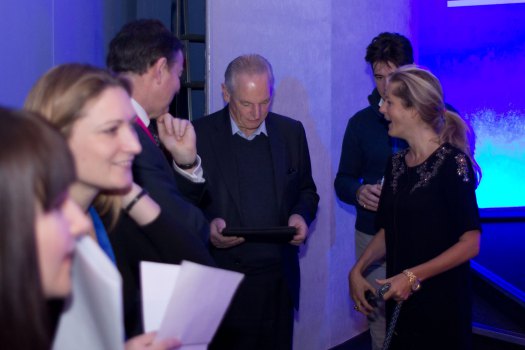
(156, 299)
(93, 315)
(196, 305)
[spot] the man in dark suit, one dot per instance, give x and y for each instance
(150, 57)
(257, 168)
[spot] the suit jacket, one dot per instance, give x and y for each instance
(295, 188)
(180, 233)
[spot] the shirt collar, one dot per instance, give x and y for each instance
(141, 113)
(260, 130)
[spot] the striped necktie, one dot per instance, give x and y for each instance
(154, 132)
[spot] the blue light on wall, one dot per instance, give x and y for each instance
(500, 152)
(458, 3)
(478, 53)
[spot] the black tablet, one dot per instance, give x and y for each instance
(262, 234)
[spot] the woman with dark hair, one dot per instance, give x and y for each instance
(37, 227)
(428, 218)
(93, 111)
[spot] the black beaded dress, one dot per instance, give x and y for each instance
(424, 210)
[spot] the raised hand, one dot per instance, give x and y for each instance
(178, 136)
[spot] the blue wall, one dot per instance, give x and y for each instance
(479, 55)
(26, 39)
(36, 35)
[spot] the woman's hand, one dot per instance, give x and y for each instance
(400, 287)
(145, 342)
(358, 287)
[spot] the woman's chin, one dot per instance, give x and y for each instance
(392, 132)
(61, 289)
(122, 184)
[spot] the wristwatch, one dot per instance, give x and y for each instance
(188, 166)
(415, 283)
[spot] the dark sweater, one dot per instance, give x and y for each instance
(364, 155)
(258, 196)
(257, 190)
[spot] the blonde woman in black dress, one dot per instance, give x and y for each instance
(428, 218)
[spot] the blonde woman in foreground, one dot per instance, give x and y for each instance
(92, 109)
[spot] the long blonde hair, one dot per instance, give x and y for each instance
(61, 95)
(419, 89)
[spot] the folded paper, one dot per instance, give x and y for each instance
(186, 301)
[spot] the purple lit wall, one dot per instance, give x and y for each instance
(316, 48)
(478, 53)
(36, 35)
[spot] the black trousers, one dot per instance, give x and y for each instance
(260, 316)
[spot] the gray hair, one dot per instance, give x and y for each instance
(247, 64)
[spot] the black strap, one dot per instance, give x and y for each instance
(392, 325)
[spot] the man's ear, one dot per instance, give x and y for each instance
(225, 93)
(159, 69)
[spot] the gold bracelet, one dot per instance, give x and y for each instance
(415, 283)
